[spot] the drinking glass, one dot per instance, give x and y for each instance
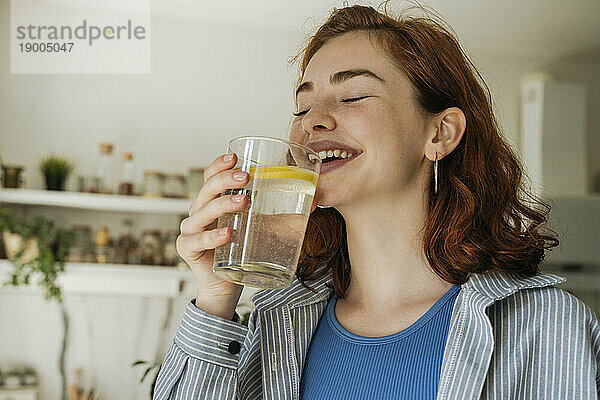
(264, 248)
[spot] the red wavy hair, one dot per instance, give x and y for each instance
(479, 220)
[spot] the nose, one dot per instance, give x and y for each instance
(317, 120)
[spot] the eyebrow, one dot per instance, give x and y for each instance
(340, 77)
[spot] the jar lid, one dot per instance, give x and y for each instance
(12, 167)
(197, 169)
(152, 172)
(151, 231)
(106, 148)
(127, 156)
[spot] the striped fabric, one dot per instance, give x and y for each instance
(510, 337)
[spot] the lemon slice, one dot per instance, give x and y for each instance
(282, 172)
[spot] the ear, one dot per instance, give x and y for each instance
(446, 129)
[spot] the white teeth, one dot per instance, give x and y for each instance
(334, 153)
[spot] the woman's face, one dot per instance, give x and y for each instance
(383, 124)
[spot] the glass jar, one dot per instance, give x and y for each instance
(126, 244)
(195, 182)
(134, 256)
(121, 256)
(101, 245)
(126, 183)
(11, 177)
(81, 249)
(102, 254)
(153, 183)
(171, 257)
(104, 168)
(174, 186)
(151, 247)
(89, 184)
(101, 237)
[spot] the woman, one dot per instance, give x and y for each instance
(419, 275)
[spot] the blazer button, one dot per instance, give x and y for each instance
(234, 347)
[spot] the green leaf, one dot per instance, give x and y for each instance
(150, 368)
(53, 247)
(56, 166)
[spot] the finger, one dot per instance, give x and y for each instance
(193, 247)
(213, 210)
(219, 164)
(216, 185)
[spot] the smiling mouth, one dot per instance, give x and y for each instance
(332, 163)
(330, 159)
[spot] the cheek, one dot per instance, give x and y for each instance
(391, 133)
(297, 134)
(369, 124)
(359, 119)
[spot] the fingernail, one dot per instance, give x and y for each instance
(237, 198)
(228, 157)
(223, 231)
(239, 176)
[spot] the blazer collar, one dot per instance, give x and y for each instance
(498, 285)
(296, 294)
(491, 284)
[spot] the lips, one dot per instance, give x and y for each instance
(324, 145)
(335, 164)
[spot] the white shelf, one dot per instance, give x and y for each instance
(115, 279)
(93, 201)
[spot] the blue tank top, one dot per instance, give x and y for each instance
(405, 365)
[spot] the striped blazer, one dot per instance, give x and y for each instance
(510, 337)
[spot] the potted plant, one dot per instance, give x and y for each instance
(47, 260)
(29, 376)
(12, 378)
(47, 263)
(13, 242)
(56, 170)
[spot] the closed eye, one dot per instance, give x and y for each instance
(298, 114)
(354, 99)
(350, 100)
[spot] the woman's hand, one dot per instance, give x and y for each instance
(199, 236)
